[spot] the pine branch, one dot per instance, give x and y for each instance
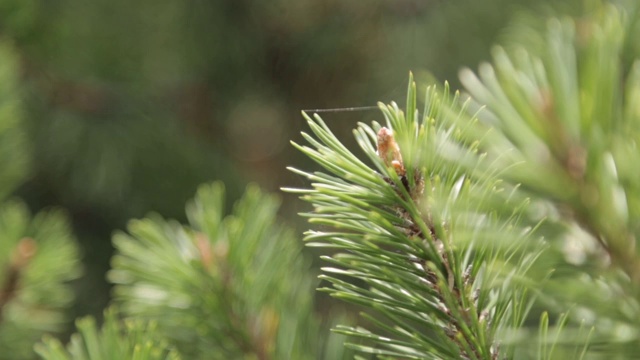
(413, 231)
(20, 258)
(38, 258)
(224, 287)
(566, 103)
(116, 340)
(561, 102)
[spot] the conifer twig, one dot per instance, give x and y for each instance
(405, 230)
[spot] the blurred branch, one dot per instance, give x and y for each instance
(114, 340)
(20, 258)
(225, 286)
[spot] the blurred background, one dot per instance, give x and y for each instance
(126, 107)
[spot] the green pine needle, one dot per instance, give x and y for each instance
(418, 242)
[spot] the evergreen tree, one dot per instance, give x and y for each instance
(499, 223)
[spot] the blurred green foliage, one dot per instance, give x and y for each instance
(38, 258)
(128, 106)
(116, 340)
(225, 287)
(38, 254)
(14, 150)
